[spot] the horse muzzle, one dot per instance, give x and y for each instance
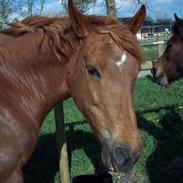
(118, 157)
(159, 78)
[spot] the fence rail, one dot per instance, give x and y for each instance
(160, 44)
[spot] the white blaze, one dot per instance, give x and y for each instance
(123, 59)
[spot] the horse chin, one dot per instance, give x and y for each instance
(162, 80)
(125, 169)
(106, 156)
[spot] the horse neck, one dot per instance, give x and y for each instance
(35, 76)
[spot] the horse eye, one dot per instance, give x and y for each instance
(93, 71)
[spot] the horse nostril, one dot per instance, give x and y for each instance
(153, 71)
(121, 155)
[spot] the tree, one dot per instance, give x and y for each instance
(147, 3)
(5, 9)
(30, 4)
(42, 2)
(1, 24)
(28, 8)
(111, 7)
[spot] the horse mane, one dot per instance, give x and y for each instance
(60, 29)
(31, 24)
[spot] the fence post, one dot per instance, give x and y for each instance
(62, 145)
(161, 48)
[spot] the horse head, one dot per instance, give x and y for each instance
(100, 78)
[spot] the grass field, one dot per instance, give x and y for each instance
(150, 52)
(160, 119)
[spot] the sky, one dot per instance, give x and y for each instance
(125, 8)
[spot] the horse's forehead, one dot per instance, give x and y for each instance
(102, 40)
(108, 54)
(103, 50)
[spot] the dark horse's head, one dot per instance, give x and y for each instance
(101, 77)
(169, 66)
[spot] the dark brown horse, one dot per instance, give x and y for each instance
(169, 66)
(94, 60)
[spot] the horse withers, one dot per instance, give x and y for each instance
(95, 60)
(169, 67)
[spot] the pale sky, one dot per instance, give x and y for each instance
(125, 8)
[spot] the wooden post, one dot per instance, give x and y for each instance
(62, 145)
(161, 47)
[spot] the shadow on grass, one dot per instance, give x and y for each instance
(79, 139)
(44, 163)
(169, 145)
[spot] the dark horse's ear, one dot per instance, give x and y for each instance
(178, 26)
(79, 21)
(137, 20)
(178, 20)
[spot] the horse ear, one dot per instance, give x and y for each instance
(178, 20)
(178, 24)
(137, 20)
(78, 20)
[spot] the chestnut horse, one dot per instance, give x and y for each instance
(169, 66)
(94, 60)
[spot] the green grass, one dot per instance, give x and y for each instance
(160, 119)
(150, 52)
